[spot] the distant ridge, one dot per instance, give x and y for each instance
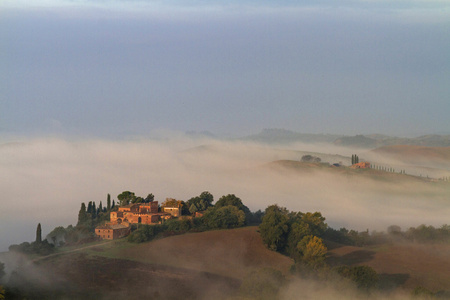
(371, 141)
(413, 152)
(375, 141)
(284, 136)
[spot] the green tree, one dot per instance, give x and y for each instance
(365, 277)
(200, 203)
(150, 198)
(231, 199)
(138, 200)
(224, 217)
(108, 202)
(313, 251)
(274, 227)
(39, 234)
(82, 215)
(93, 211)
(301, 225)
(126, 197)
(316, 223)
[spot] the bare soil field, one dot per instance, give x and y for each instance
(206, 265)
(232, 253)
(401, 266)
(78, 276)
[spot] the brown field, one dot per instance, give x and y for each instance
(232, 253)
(206, 265)
(401, 266)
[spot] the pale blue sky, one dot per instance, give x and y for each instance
(117, 68)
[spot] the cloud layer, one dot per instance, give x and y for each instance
(45, 180)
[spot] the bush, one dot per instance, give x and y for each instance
(145, 233)
(178, 226)
(224, 217)
(365, 277)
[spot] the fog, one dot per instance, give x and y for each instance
(44, 180)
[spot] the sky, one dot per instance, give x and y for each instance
(124, 68)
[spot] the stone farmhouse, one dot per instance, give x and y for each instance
(361, 165)
(138, 213)
(112, 232)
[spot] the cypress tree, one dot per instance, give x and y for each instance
(108, 202)
(113, 204)
(94, 210)
(82, 215)
(39, 234)
(89, 208)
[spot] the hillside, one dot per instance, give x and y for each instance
(297, 167)
(403, 266)
(232, 253)
(206, 265)
(212, 265)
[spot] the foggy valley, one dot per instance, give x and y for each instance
(210, 150)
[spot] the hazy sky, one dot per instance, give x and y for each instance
(117, 68)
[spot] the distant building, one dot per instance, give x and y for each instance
(172, 206)
(112, 232)
(361, 165)
(138, 213)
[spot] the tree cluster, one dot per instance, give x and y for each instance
(355, 159)
(39, 246)
(420, 234)
(310, 159)
(128, 197)
(296, 234)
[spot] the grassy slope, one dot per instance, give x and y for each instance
(232, 253)
(403, 266)
(206, 265)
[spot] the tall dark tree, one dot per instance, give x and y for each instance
(108, 202)
(39, 234)
(100, 206)
(113, 204)
(94, 211)
(89, 208)
(82, 214)
(150, 198)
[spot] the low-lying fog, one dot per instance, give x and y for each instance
(45, 180)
